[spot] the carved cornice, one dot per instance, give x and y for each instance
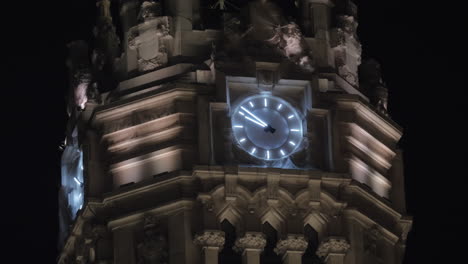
(295, 243)
(251, 240)
(210, 238)
(332, 245)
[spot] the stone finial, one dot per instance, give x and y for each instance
(251, 240)
(210, 238)
(292, 243)
(332, 245)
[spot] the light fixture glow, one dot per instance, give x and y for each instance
(292, 143)
(291, 116)
(251, 104)
(279, 106)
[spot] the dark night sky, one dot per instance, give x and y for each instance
(419, 45)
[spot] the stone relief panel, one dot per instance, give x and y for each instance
(151, 38)
(153, 249)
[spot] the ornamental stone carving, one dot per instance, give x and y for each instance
(153, 248)
(332, 245)
(251, 240)
(151, 37)
(292, 243)
(210, 238)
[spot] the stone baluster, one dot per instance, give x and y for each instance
(211, 241)
(250, 246)
(291, 249)
(333, 250)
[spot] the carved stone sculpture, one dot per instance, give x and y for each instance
(250, 240)
(210, 238)
(153, 248)
(373, 85)
(332, 245)
(151, 38)
(292, 243)
(347, 48)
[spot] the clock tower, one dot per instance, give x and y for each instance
(229, 132)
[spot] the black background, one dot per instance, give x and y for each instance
(422, 50)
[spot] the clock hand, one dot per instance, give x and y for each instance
(258, 123)
(254, 116)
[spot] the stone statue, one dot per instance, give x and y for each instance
(347, 48)
(267, 35)
(151, 38)
(373, 85)
(153, 248)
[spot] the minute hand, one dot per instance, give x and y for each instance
(254, 116)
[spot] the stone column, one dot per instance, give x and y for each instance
(250, 246)
(211, 241)
(291, 249)
(333, 250)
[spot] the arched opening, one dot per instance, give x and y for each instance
(269, 256)
(227, 254)
(312, 238)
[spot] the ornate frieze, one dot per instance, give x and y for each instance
(332, 245)
(210, 238)
(251, 240)
(295, 243)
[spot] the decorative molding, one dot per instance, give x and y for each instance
(251, 240)
(334, 245)
(210, 238)
(295, 243)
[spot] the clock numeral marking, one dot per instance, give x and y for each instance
(279, 106)
(291, 116)
(268, 154)
(251, 104)
(239, 126)
(266, 102)
(292, 143)
(242, 140)
(282, 152)
(79, 196)
(253, 151)
(241, 113)
(295, 130)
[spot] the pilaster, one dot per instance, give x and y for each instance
(291, 249)
(211, 242)
(333, 250)
(250, 246)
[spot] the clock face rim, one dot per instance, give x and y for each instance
(294, 111)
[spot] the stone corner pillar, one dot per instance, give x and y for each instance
(250, 246)
(211, 241)
(291, 249)
(333, 250)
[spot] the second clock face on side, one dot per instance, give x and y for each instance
(267, 127)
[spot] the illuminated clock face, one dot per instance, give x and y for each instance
(267, 127)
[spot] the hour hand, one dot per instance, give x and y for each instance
(254, 116)
(254, 121)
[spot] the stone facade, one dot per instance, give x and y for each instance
(164, 180)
